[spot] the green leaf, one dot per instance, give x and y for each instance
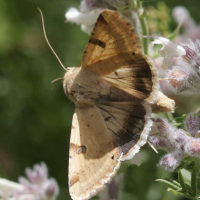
(194, 181)
(197, 163)
(179, 121)
(182, 182)
(184, 163)
(176, 192)
(169, 183)
(182, 194)
(176, 183)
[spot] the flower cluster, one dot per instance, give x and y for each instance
(37, 187)
(87, 5)
(185, 75)
(184, 58)
(177, 142)
(90, 10)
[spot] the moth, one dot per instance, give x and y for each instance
(113, 89)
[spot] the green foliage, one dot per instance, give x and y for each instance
(182, 188)
(178, 121)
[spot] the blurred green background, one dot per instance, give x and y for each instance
(35, 120)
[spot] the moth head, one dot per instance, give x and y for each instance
(69, 77)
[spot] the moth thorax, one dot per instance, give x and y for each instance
(81, 86)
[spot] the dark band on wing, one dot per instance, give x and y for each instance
(142, 76)
(94, 40)
(130, 134)
(129, 128)
(97, 42)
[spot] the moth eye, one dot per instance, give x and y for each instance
(113, 157)
(133, 53)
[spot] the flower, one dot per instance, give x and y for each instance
(87, 5)
(190, 28)
(186, 74)
(183, 78)
(177, 142)
(87, 20)
(171, 161)
(169, 50)
(192, 56)
(181, 15)
(192, 124)
(6, 186)
(90, 10)
(37, 187)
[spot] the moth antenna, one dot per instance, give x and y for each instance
(55, 81)
(163, 79)
(151, 145)
(43, 26)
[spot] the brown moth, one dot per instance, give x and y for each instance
(113, 90)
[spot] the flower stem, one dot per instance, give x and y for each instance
(143, 21)
(169, 116)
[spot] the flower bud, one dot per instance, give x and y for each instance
(181, 14)
(180, 136)
(192, 147)
(161, 143)
(171, 161)
(38, 174)
(182, 79)
(192, 124)
(164, 127)
(192, 55)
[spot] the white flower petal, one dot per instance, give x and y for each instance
(86, 19)
(87, 29)
(6, 188)
(181, 14)
(169, 49)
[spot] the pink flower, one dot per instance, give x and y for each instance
(177, 142)
(37, 187)
(171, 161)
